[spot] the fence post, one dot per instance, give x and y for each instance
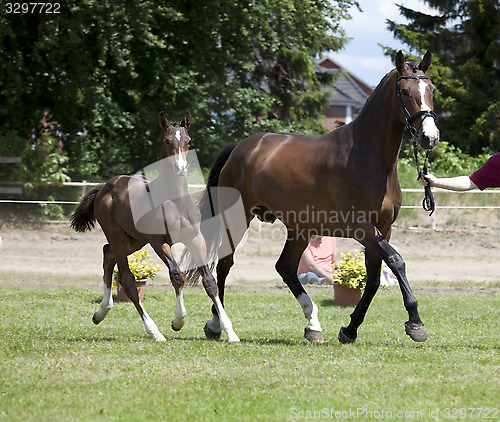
(84, 188)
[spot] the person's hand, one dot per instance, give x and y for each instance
(428, 179)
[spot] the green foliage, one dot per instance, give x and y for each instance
(464, 38)
(105, 69)
(445, 160)
(351, 270)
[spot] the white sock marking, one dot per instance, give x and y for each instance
(310, 312)
(106, 304)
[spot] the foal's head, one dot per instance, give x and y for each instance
(415, 90)
(176, 142)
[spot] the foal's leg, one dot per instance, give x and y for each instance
(128, 283)
(108, 263)
(122, 245)
(213, 327)
(414, 327)
(197, 248)
(164, 251)
(287, 266)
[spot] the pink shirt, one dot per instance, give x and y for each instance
(322, 249)
(488, 176)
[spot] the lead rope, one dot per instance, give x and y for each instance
(428, 203)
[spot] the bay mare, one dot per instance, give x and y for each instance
(112, 205)
(342, 184)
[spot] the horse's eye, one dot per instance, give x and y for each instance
(405, 92)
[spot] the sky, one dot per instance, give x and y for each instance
(363, 56)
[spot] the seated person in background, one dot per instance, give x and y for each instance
(316, 263)
(488, 176)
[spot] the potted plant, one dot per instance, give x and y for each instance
(349, 278)
(142, 270)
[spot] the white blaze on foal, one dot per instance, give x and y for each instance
(180, 158)
(428, 125)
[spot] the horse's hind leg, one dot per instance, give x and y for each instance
(287, 267)
(108, 263)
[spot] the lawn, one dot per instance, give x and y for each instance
(57, 366)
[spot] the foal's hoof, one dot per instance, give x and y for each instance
(95, 320)
(211, 335)
(176, 327)
(343, 338)
(313, 336)
(416, 333)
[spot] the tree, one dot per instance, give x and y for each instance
(464, 37)
(104, 69)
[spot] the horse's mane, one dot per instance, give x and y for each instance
(376, 91)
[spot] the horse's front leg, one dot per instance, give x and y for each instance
(414, 327)
(373, 266)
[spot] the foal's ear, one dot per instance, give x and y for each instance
(426, 61)
(401, 62)
(163, 121)
(186, 122)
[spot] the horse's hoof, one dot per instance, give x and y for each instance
(211, 335)
(313, 336)
(343, 338)
(416, 333)
(95, 320)
(234, 341)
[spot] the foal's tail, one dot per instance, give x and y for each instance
(208, 205)
(83, 218)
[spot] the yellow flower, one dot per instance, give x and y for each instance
(140, 267)
(351, 270)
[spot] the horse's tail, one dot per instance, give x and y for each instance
(83, 219)
(208, 205)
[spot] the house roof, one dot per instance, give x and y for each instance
(348, 89)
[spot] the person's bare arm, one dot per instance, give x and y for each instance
(316, 269)
(459, 183)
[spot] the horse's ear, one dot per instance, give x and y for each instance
(401, 62)
(186, 122)
(163, 121)
(426, 61)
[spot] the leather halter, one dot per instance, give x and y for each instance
(428, 203)
(410, 117)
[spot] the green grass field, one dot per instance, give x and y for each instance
(57, 366)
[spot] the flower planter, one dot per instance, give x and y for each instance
(346, 296)
(121, 296)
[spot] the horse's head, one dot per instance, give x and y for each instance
(176, 142)
(414, 91)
